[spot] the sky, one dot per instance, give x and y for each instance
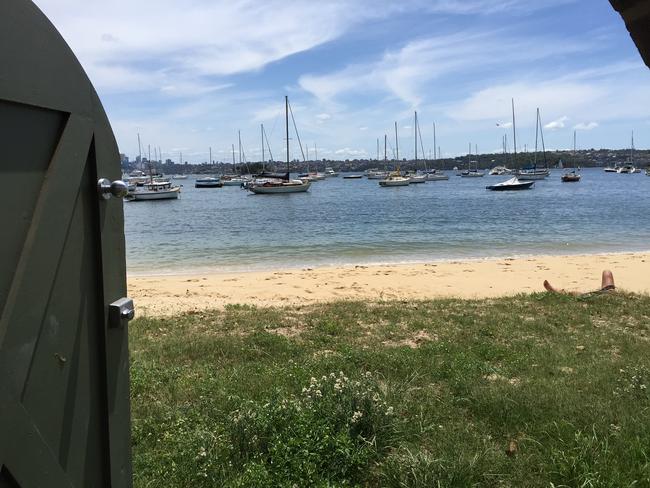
(187, 75)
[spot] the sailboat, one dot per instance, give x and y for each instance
(469, 172)
(629, 167)
(533, 173)
(395, 178)
(154, 190)
(417, 177)
(572, 176)
(435, 174)
(276, 184)
(513, 184)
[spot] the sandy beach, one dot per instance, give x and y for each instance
(168, 294)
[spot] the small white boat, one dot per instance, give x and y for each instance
(513, 184)
(415, 179)
(436, 175)
(179, 177)
(155, 191)
(626, 169)
(377, 175)
(329, 172)
(611, 169)
(394, 180)
(352, 177)
(231, 180)
(532, 174)
(499, 171)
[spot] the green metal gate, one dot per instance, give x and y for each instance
(64, 374)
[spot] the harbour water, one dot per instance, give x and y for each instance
(340, 222)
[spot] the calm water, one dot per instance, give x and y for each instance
(355, 221)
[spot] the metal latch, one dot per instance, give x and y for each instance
(120, 312)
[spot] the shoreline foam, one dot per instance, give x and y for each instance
(469, 278)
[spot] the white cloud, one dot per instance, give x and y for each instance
(323, 117)
(405, 73)
(504, 125)
(586, 126)
(557, 124)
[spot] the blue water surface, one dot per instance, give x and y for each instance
(356, 222)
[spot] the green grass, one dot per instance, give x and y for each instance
(534, 390)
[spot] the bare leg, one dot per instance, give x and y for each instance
(550, 288)
(607, 281)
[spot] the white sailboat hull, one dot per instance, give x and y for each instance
(154, 195)
(283, 188)
(400, 182)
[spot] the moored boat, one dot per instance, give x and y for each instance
(208, 182)
(155, 191)
(513, 184)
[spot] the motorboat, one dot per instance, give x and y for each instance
(208, 182)
(499, 171)
(179, 177)
(513, 184)
(352, 177)
(329, 172)
(626, 169)
(155, 191)
(571, 177)
(611, 169)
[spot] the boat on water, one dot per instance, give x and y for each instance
(611, 169)
(279, 184)
(329, 172)
(513, 184)
(416, 178)
(179, 177)
(208, 182)
(377, 175)
(471, 172)
(436, 175)
(572, 176)
(394, 178)
(629, 168)
(499, 171)
(647, 171)
(352, 177)
(155, 191)
(534, 173)
(233, 180)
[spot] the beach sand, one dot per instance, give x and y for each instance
(169, 294)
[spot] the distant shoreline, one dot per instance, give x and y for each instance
(460, 278)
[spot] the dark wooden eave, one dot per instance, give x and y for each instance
(636, 14)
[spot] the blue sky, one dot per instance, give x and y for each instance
(187, 75)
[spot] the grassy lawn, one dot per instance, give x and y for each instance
(534, 390)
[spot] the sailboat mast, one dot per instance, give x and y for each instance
(286, 117)
(140, 151)
(385, 141)
(315, 153)
(396, 145)
(262, 131)
(378, 149)
(632, 149)
(415, 131)
(514, 133)
(435, 155)
(536, 136)
(210, 155)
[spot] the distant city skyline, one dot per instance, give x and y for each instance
(188, 75)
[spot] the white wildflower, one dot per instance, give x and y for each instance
(356, 416)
